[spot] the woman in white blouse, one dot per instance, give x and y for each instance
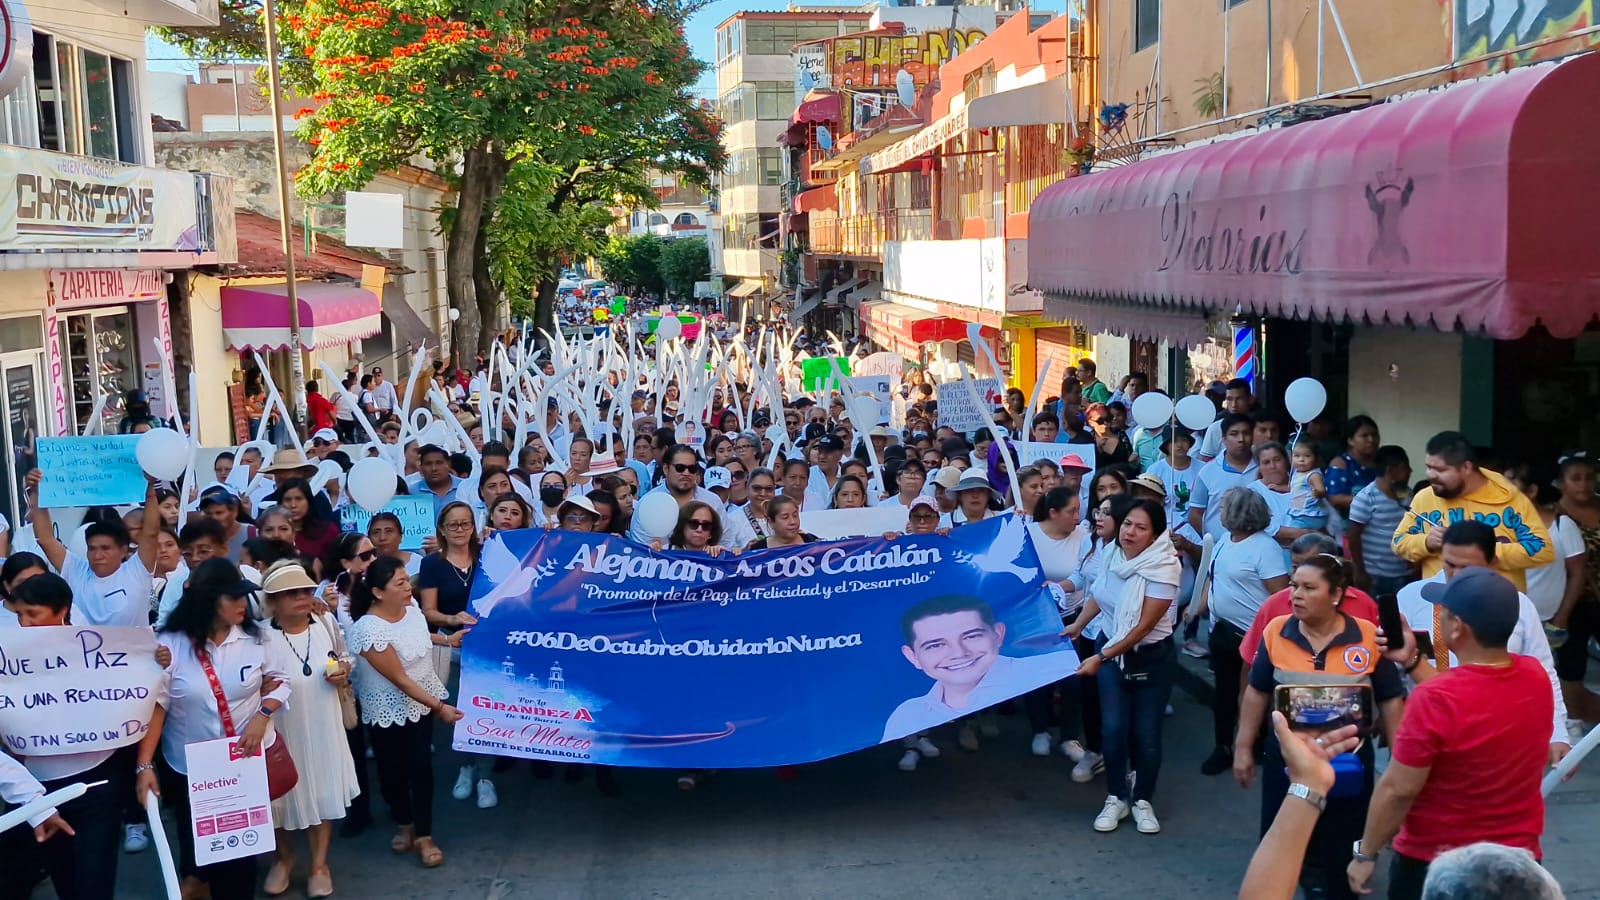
(399, 695)
(210, 628)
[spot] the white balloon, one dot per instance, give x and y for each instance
(1305, 399)
(668, 329)
(163, 454)
(657, 515)
(1152, 411)
(777, 434)
(327, 471)
(1195, 412)
(371, 483)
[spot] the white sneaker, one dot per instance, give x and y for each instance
(989, 725)
(1090, 765)
(1073, 750)
(1144, 816)
(487, 798)
(967, 737)
(464, 781)
(1576, 730)
(135, 838)
(1041, 744)
(1111, 815)
(927, 748)
(909, 760)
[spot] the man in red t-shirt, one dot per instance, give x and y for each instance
(1471, 747)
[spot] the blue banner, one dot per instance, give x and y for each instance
(591, 648)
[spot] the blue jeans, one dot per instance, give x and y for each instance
(1132, 713)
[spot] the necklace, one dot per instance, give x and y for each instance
(465, 575)
(305, 658)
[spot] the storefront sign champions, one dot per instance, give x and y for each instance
(49, 201)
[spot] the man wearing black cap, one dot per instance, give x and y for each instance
(1471, 748)
(827, 450)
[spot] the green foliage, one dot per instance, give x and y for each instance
(528, 241)
(1208, 96)
(634, 261)
(684, 262)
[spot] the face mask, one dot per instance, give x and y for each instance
(551, 496)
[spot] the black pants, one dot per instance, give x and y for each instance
(356, 739)
(1228, 668)
(81, 866)
(231, 880)
(1088, 688)
(405, 771)
(1327, 852)
(1406, 876)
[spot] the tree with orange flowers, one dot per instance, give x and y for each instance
(582, 97)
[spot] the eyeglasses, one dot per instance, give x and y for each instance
(763, 488)
(683, 469)
(699, 525)
(367, 555)
(738, 476)
(576, 518)
(458, 525)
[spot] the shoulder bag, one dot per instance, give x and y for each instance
(282, 776)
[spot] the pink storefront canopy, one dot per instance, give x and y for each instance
(1472, 206)
(256, 317)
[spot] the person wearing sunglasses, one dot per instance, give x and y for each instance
(721, 481)
(681, 481)
(699, 530)
(577, 514)
(350, 558)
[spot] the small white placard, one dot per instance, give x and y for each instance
(230, 810)
(374, 220)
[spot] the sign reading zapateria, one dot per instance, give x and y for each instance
(51, 201)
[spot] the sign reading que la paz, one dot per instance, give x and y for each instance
(72, 689)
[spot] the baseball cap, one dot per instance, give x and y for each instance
(947, 477)
(325, 434)
(1074, 461)
(922, 500)
(640, 395)
(830, 443)
(1480, 597)
(217, 494)
(718, 477)
(971, 481)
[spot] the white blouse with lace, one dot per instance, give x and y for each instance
(381, 702)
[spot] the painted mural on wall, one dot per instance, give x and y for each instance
(877, 60)
(1489, 26)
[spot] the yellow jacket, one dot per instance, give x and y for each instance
(1524, 543)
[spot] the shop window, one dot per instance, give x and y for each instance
(1146, 23)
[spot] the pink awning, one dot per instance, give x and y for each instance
(1471, 205)
(256, 317)
(816, 109)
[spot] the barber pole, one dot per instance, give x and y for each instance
(1244, 352)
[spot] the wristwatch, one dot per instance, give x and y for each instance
(1355, 852)
(1310, 796)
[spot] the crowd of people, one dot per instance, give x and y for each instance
(1264, 550)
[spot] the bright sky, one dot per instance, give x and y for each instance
(701, 34)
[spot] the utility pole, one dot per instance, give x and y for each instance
(297, 385)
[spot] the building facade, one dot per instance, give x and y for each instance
(755, 97)
(1388, 197)
(87, 285)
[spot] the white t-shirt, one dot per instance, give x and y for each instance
(1547, 583)
(1239, 570)
(1210, 483)
(1180, 485)
(1107, 590)
(121, 598)
(1060, 558)
(1278, 503)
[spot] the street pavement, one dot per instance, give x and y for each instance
(998, 823)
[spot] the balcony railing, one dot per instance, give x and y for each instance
(809, 175)
(864, 235)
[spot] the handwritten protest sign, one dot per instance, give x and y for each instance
(229, 807)
(816, 374)
(1030, 452)
(415, 514)
(98, 470)
(955, 404)
(72, 689)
